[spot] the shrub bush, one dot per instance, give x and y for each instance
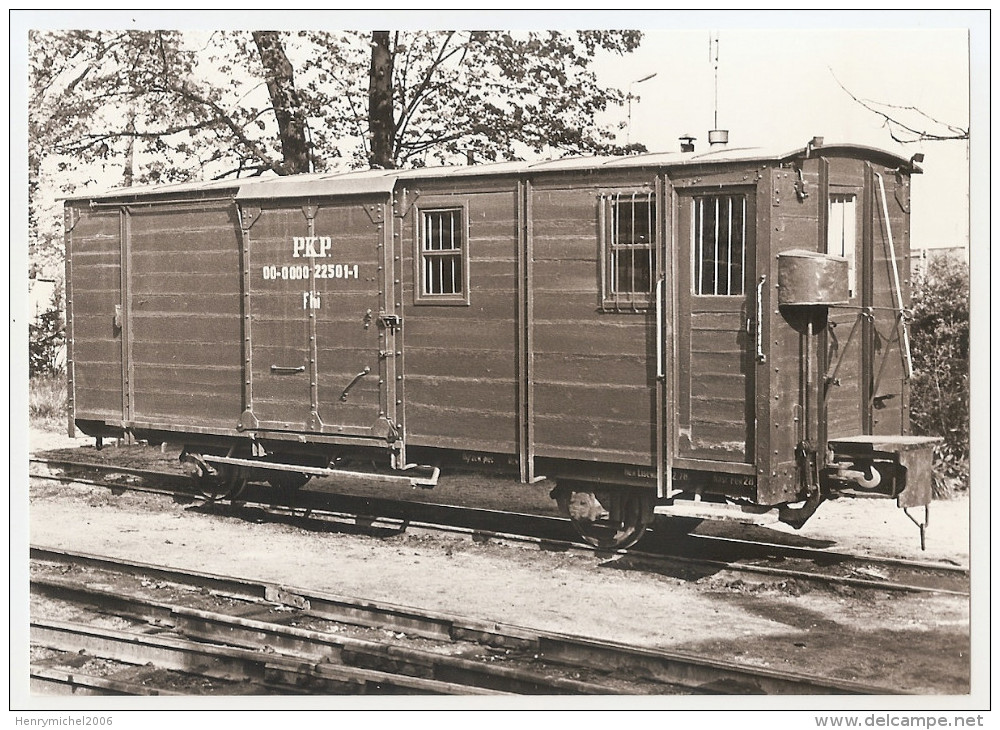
(46, 340)
(939, 395)
(47, 404)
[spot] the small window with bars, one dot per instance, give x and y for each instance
(443, 256)
(630, 249)
(719, 239)
(842, 233)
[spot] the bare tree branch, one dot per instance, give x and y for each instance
(896, 127)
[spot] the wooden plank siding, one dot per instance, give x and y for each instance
(460, 361)
(594, 371)
(94, 290)
(186, 337)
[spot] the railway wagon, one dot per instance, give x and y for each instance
(724, 327)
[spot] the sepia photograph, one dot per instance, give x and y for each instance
(537, 360)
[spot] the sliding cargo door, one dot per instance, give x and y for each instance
(314, 325)
(716, 318)
(96, 318)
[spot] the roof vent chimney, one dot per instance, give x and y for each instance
(718, 137)
(687, 143)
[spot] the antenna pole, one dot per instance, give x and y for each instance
(716, 60)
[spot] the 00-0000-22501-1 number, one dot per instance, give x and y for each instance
(302, 272)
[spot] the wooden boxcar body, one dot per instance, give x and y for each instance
(724, 326)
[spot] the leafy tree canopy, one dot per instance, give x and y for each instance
(159, 106)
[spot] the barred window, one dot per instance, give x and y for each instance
(842, 232)
(442, 254)
(719, 240)
(630, 249)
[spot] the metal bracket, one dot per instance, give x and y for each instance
(401, 205)
(248, 421)
(921, 525)
(71, 219)
(391, 322)
(249, 215)
(800, 186)
(375, 213)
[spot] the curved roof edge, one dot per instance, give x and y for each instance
(382, 182)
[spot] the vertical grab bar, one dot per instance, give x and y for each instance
(659, 328)
(761, 357)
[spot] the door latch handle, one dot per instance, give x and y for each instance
(287, 369)
(363, 373)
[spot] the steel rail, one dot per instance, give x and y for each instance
(249, 633)
(226, 662)
(89, 684)
(697, 673)
(316, 506)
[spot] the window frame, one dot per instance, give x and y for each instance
(854, 193)
(440, 205)
(748, 222)
(612, 299)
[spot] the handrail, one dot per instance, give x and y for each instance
(659, 329)
(895, 280)
(761, 357)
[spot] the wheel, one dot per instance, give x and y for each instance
(608, 518)
(233, 480)
(226, 481)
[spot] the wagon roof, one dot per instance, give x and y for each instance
(372, 182)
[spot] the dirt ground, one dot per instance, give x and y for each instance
(916, 643)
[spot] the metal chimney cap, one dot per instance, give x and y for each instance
(718, 136)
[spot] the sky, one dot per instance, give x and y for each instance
(779, 88)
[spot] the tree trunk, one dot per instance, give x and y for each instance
(286, 102)
(381, 125)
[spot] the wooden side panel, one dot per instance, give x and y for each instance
(93, 293)
(460, 361)
(594, 371)
(186, 314)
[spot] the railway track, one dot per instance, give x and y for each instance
(152, 623)
(665, 550)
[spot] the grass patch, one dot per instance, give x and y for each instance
(47, 404)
